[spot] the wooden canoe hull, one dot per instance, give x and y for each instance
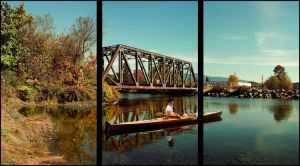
(212, 120)
(113, 129)
(212, 115)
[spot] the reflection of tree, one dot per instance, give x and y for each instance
(76, 134)
(233, 108)
(281, 111)
(145, 108)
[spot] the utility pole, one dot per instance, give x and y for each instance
(262, 81)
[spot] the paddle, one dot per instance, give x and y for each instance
(161, 114)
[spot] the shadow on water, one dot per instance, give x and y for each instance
(75, 132)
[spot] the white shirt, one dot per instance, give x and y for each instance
(169, 138)
(168, 109)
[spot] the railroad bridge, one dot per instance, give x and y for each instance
(129, 68)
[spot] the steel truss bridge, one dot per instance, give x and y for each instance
(129, 68)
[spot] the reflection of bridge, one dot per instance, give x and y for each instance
(151, 71)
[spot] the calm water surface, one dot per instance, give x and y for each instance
(150, 147)
(252, 131)
(75, 132)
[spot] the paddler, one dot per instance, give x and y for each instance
(169, 110)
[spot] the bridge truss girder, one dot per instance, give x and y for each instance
(159, 72)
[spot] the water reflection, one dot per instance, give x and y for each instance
(170, 133)
(129, 142)
(75, 132)
(212, 120)
(249, 136)
(281, 110)
(128, 110)
(233, 108)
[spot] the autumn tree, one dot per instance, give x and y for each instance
(233, 80)
(39, 65)
(140, 76)
(272, 83)
(90, 69)
(280, 79)
(83, 36)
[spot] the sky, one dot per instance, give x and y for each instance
(168, 28)
(251, 38)
(64, 13)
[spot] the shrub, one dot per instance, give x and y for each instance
(26, 92)
(109, 94)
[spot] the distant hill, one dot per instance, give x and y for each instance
(190, 75)
(219, 79)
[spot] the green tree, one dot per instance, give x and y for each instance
(15, 25)
(207, 79)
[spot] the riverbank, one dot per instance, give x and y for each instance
(243, 92)
(25, 140)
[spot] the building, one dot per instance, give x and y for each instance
(244, 84)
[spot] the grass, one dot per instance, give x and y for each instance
(15, 116)
(4, 132)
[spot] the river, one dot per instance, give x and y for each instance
(153, 147)
(252, 131)
(75, 132)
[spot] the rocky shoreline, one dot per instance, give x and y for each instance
(253, 93)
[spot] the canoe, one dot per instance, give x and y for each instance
(212, 115)
(152, 124)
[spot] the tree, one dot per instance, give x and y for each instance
(280, 80)
(279, 71)
(39, 64)
(207, 79)
(83, 34)
(15, 24)
(233, 80)
(127, 79)
(140, 75)
(272, 83)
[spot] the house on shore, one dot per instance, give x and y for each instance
(247, 84)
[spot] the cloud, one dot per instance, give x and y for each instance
(271, 48)
(269, 11)
(252, 60)
(233, 37)
(273, 44)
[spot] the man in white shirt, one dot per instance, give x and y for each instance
(169, 110)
